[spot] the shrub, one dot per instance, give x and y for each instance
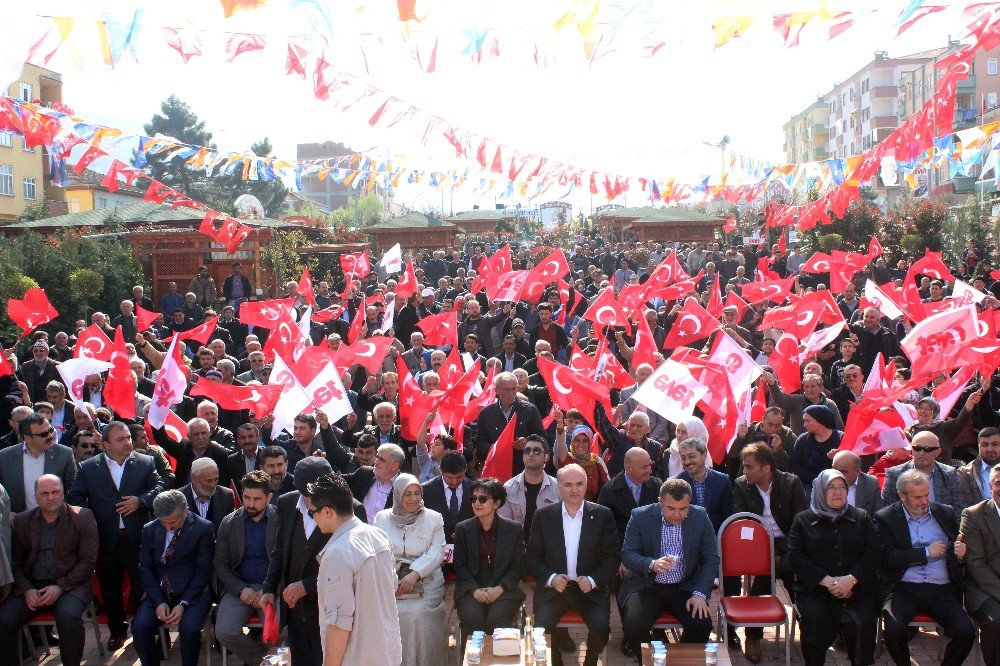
(86, 283)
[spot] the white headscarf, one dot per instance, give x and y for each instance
(695, 428)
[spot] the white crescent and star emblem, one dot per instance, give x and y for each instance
(598, 316)
(89, 350)
(806, 318)
(369, 349)
(555, 270)
(695, 329)
(559, 386)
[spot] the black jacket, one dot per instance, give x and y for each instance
(787, 499)
(182, 453)
(897, 551)
(491, 423)
(819, 547)
(436, 498)
(222, 504)
(508, 565)
(617, 496)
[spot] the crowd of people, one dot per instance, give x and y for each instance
(352, 530)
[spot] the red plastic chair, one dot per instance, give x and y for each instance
(746, 548)
(255, 621)
(923, 621)
(46, 619)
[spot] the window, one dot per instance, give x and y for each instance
(24, 146)
(991, 100)
(26, 95)
(6, 180)
(29, 189)
(6, 139)
(991, 66)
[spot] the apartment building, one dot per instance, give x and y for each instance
(807, 134)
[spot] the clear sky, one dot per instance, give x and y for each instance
(620, 113)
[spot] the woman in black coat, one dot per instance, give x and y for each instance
(833, 550)
(489, 562)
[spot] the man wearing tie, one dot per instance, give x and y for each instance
(175, 563)
(450, 493)
(573, 554)
(634, 487)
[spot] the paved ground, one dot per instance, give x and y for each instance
(923, 650)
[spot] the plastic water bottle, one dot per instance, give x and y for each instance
(474, 653)
(284, 656)
(711, 653)
(660, 656)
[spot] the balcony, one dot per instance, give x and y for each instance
(883, 92)
(964, 184)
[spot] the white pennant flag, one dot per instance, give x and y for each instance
(327, 392)
(169, 390)
(76, 370)
(293, 398)
(388, 318)
(392, 260)
(671, 391)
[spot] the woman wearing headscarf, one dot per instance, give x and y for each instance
(810, 456)
(947, 430)
(686, 429)
(417, 536)
(833, 549)
(581, 452)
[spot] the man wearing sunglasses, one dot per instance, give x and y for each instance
(84, 446)
(20, 466)
(945, 485)
(532, 488)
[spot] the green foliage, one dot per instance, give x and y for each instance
(972, 221)
(367, 212)
(830, 242)
(287, 264)
(36, 211)
(922, 218)
(85, 283)
(912, 244)
(504, 226)
(50, 262)
(219, 192)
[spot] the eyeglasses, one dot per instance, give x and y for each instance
(480, 499)
(926, 449)
(44, 433)
(85, 445)
(534, 451)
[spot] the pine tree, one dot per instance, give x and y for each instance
(180, 122)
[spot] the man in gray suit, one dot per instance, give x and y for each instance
(20, 466)
(205, 496)
(945, 487)
(975, 477)
(242, 555)
(862, 489)
(672, 560)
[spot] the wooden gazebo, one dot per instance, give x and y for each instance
(168, 245)
(413, 231)
(660, 225)
(479, 221)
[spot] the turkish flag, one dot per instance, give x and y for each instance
(284, 338)
(356, 264)
(759, 402)
(371, 352)
(354, 330)
(407, 286)
(92, 342)
(232, 234)
(305, 287)
(76, 370)
(870, 430)
(741, 306)
(783, 241)
(506, 286)
(452, 369)
(932, 266)
(681, 288)
(332, 312)
(261, 400)
(720, 410)
(714, 306)
(818, 262)
(5, 367)
(666, 272)
(500, 460)
(170, 385)
(605, 310)
(119, 390)
(32, 311)
(608, 369)
(645, 346)
(489, 267)
(764, 271)
(730, 225)
(263, 313)
(203, 332)
(948, 393)
(785, 362)
(874, 248)
(413, 404)
(145, 318)
(935, 343)
(632, 299)
(570, 389)
(843, 266)
(693, 323)
(817, 340)
(775, 291)
(547, 271)
(440, 329)
(458, 395)
(487, 397)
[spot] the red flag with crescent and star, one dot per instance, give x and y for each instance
(31, 311)
(693, 323)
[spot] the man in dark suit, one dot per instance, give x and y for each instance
(175, 564)
(449, 493)
(980, 527)
(205, 496)
(242, 554)
(20, 466)
(38, 372)
(493, 419)
(922, 569)
(196, 445)
(510, 359)
(118, 486)
(293, 567)
(384, 430)
(710, 489)
(862, 489)
(672, 562)
(777, 497)
(573, 554)
(372, 486)
(634, 487)
(247, 457)
(53, 559)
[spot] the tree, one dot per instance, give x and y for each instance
(973, 221)
(922, 219)
(36, 211)
(180, 122)
(222, 191)
(861, 221)
(367, 212)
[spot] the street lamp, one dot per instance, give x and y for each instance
(721, 145)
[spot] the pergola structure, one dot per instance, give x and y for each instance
(413, 231)
(167, 244)
(660, 225)
(479, 221)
